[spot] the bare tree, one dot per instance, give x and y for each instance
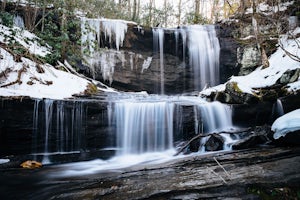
(3, 5)
(151, 4)
(214, 12)
(134, 12)
(129, 7)
(165, 13)
(179, 12)
(197, 12)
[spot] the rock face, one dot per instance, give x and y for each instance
(139, 66)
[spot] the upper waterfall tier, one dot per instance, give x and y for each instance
(157, 60)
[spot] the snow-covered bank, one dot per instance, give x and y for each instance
(36, 81)
(20, 76)
(279, 63)
(287, 123)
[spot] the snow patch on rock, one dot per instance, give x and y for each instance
(287, 123)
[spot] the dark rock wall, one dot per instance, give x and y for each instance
(178, 75)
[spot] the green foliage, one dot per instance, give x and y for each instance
(6, 19)
(63, 40)
(275, 193)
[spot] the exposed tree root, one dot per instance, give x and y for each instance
(5, 72)
(23, 69)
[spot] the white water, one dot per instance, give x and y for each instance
(145, 129)
(60, 129)
(204, 53)
(215, 117)
(144, 126)
(48, 119)
(158, 47)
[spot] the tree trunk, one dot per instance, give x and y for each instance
(150, 12)
(138, 9)
(129, 8)
(134, 14)
(43, 16)
(197, 12)
(179, 13)
(3, 5)
(63, 31)
(214, 12)
(165, 13)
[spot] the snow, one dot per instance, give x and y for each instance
(45, 83)
(25, 38)
(279, 63)
(268, 9)
(2, 161)
(287, 123)
(61, 84)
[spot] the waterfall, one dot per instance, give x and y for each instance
(35, 118)
(144, 126)
(60, 129)
(158, 46)
(48, 119)
(215, 117)
(204, 53)
(277, 110)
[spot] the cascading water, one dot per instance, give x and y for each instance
(158, 47)
(204, 52)
(215, 117)
(48, 118)
(60, 128)
(144, 126)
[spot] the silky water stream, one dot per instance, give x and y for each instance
(144, 129)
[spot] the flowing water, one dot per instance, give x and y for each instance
(145, 127)
(158, 49)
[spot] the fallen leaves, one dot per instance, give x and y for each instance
(31, 164)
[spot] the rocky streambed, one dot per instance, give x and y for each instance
(261, 173)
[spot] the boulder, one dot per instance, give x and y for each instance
(289, 76)
(214, 143)
(249, 57)
(258, 136)
(233, 94)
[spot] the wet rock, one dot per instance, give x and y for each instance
(236, 95)
(214, 143)
(290, 139)
(259, 136)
